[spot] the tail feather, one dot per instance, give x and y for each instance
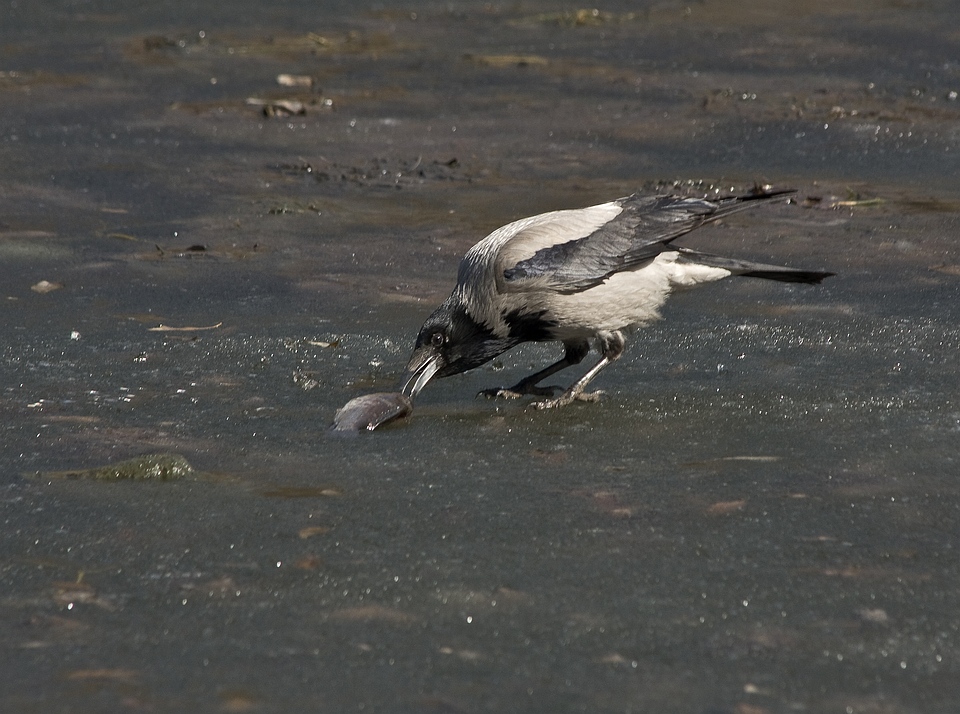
(749, 269)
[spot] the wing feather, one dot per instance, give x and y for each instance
(572, 251)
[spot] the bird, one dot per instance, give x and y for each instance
(577, 276)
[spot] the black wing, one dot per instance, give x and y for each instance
(643, 229)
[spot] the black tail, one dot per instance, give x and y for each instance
(789, 275)
(754, 270)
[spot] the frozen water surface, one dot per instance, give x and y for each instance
(761, 515)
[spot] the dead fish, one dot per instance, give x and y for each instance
(371, 411)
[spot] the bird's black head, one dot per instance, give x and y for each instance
(450, 342)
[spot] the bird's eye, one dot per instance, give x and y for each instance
(437, 339)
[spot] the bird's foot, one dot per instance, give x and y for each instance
(567, 398)
(518, 391)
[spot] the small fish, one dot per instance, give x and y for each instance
(370, 411)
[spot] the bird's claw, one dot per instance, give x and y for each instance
(568, 398)
(499, 393)
(517, 392)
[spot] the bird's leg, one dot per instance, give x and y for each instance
(611, 345)
(574, 354)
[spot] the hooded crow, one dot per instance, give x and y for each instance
(576, 276)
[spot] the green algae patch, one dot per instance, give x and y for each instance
(150, 467)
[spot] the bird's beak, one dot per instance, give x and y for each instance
(424, 363)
